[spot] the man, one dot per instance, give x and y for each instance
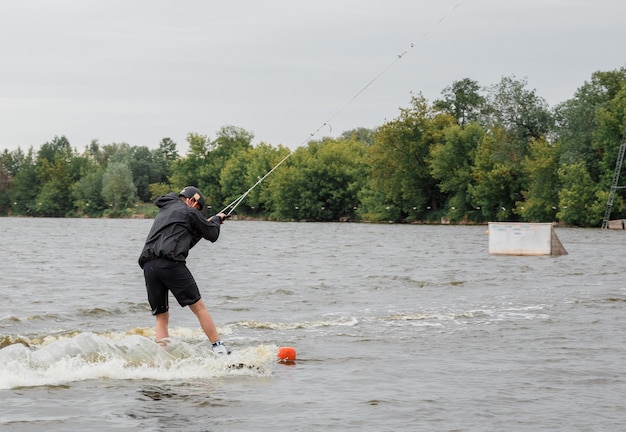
(178, 226)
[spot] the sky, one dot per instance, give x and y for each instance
(285, 70)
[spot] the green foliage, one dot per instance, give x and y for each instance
(245, 170)
(520, 112)
(451, 162)
(495, 180)
(540, 169)
(577, 196)
(147, 166)
(475, 155)
(118, 189)
(6, 179)
(589, 123)
(24, 186)
(399, 159)
(611, 121)
(167, 150)
(87, 193)
(57, 169)
(158, 189)
(320, 182)
(362, 135)
(189, 170)
(202, 167)
(230, 141)
(374, 206)
(463, 101)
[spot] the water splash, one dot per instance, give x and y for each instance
(339, 322)
(84, 356)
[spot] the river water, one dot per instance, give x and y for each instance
(396, 328)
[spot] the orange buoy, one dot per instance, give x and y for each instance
(286, 354)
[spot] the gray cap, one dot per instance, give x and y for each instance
(194, 192)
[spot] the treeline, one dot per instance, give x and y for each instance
(477, 154)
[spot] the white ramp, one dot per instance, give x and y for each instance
(517, 238)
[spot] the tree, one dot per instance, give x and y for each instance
(24, 185)
(451, 162)
(399, 159)
(190, 170)
(463, 101)
(5, 183)
(577, 197)
(541, 197)
(58, 167)
(54, 197)
(165, 156)
(374, 205)
(230, 141)
(242, 171)
(363, 135)
(117, 152)
(515, 117)
(591, 126)
(95, 154)
(520, 112)
(496, 184)
(202, 167)
(87, 192)
(577, 120)
(611, 131)
(320, 182)
(118, 188)
(59, 147)
(167, 150)
(147, 168)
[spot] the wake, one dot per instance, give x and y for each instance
(89, 356)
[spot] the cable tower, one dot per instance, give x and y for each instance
(615, 184)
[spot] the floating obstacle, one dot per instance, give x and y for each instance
(287, 355)
(516, 238)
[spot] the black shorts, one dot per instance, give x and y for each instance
(163, 275)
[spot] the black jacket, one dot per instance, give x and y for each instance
(176, 229)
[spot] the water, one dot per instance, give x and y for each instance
(412, 328)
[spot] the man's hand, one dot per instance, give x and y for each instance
(223, 216)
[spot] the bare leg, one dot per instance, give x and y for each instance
(206, 321)
(162, 321)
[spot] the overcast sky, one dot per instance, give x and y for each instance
(137, 71)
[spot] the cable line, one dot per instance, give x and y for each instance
(231, 207)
